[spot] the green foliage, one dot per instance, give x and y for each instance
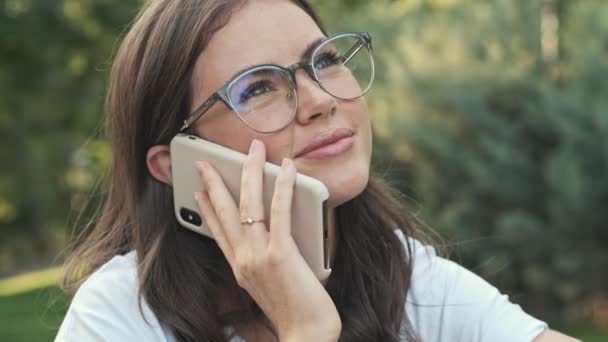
(519, 164)
(54, 61)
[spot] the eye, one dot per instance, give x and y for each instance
(327, 59)
(256, 89)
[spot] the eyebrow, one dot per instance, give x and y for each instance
(310, 48)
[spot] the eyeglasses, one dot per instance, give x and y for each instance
(264, 97)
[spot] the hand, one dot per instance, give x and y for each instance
(266, 262)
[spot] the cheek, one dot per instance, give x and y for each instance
(278, 146)
(232, 133)
(228, 134)
(360, 106)
(355, 111)
(358, 115)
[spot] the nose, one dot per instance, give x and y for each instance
(313, 102)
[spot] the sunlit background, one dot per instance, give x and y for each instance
(492, 115)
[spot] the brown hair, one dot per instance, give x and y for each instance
(182, 274)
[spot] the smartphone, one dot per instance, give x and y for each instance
(309, 220)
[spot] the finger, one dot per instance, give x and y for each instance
(280, 222)
(252, 181)
(211, 220)
(222, 202)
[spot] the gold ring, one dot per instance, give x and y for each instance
(250, 220)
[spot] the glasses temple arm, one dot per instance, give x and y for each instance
(351, 53)
(199, 112)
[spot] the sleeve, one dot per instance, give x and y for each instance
(447, 302)
(105, 309)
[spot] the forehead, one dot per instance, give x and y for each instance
(262, 31)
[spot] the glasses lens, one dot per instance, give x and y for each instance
(344, 66)
(264, 98)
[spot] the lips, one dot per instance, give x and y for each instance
(326, 138)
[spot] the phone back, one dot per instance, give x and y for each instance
(309, 213)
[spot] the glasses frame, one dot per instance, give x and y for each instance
(365, 41)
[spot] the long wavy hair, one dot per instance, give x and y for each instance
(183, 275)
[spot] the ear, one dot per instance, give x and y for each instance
(158, 160)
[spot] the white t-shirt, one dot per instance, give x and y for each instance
(446, 302)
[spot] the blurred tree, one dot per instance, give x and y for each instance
(54, 57)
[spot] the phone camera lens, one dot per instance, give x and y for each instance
(190, 216)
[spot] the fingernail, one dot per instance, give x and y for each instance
(201, 166)
(286, 163)
(255, 145)
(197, 196)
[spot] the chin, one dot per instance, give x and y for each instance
(345, 189)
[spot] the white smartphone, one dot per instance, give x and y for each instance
(309, 207)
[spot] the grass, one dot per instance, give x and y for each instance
(585, 332)
(32, 308)
(32, 316)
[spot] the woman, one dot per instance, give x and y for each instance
(140, 276)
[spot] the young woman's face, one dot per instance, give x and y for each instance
(278, 32)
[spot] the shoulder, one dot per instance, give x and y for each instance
(106, 307)
(448, 302)
(114, 283)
